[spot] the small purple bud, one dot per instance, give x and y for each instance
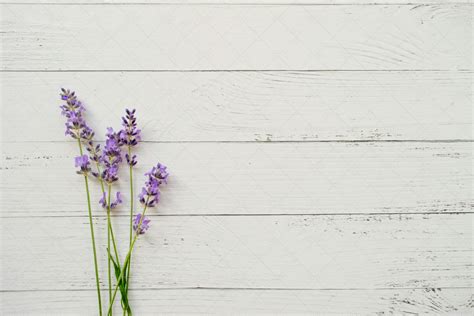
(143, 227)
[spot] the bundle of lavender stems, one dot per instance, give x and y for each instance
(103, 165)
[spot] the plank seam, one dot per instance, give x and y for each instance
(227, 70)
(267, 141)
(247, 289)
(248, 215)
(236, 4)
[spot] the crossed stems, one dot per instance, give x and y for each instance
(110, 237)
(127, 258)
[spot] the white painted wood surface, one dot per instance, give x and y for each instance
(212, 301)
(248, 106)
(213, 37)
(263, 178)
(299, 252)
(337, 181)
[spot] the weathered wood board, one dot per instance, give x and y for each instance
(287, 252)
(249, 106)
(217, 301)
(222, 37)
(255, 178)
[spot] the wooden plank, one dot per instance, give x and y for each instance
(249, 106)
(213, 37)
(248, 178)
(237, 2)
(215, 301)
(284, 252)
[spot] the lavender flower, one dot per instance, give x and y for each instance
(94, 151)
(145, 224)
(158, 174)
(131, 161)
(150, 194)
(110, 174)
(82, 162)
(130, 135)
(114, 204)
(111, 156)
(76, 126)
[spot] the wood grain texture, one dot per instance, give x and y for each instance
(215, 301)
(320, 154)
(236, 2)
(213, 37)
(249, 106)
(263, 252)
(249, 178)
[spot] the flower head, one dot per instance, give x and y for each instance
(114, 204)
(118, 200)
(150, 194)
(131, 161)
(130, 134)
(110, 174)
(73, 110)
(82, 162)
(140, 226)
(76, 126)
(158, 174)
(94, 151)
(111, 157)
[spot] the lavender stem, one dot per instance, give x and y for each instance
(131, 215)
(127, 258)
(91, 225)
(109, 270)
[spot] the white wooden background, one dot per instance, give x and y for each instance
(320, 154)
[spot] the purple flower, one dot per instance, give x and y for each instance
(150, 194)
(158, 174)
(118, 200)
(82, 162)
(103, 200)
(143, 227)
(129, 135)
(114, 204)
(111, 156)
(94, 151)
(73, 110)
(112, 153)
(76, 126)
(132, 161)
(110, 174)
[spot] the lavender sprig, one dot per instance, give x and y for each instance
(156, 177)
(129, 136)
(141, 229)
(118, 200)
(77, 128)
(82, 162)
(111, 158)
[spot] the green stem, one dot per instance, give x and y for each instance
(108, 244)
(109, 224)
(111, 228)
(91, 225)
(131, 213)
(127, 258)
